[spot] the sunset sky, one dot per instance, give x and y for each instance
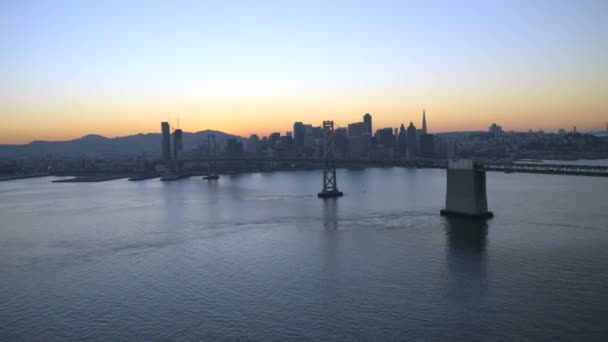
(70, 68)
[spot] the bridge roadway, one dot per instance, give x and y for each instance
(540, 168)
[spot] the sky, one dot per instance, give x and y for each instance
(70, 68)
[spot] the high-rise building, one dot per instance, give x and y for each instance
(356, 129)
(359, 140)
(385, 137)
(178, 144)
(367, 119)
(166, 144)
(273, 138)
(412, 143)
(424, 122)
(495, 130)
(309, 137)
(341, 139)
(299, 131)
(384, 146)
(402, 141)
(427, 145)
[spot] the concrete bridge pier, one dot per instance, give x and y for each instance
(466, 190)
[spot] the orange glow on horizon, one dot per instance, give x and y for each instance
(460, 109)
(246, 125)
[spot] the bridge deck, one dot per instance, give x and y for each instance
(558, 169)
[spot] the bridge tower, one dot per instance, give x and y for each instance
(466, 190)
(330, 186)
(212, 167)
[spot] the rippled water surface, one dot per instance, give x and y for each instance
(259, 257)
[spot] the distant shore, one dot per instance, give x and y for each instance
(24, 176)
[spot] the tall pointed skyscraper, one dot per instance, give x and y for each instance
(424, 122)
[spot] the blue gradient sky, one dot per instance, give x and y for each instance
(119, 67)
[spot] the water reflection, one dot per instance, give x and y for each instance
(466, 279)
(465, 255)
(330, 213)
(466, 236)
(212, 200)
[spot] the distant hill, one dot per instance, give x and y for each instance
(93, 144)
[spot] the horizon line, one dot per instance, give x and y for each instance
(245, 137)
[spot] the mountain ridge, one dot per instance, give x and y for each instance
(95, 144)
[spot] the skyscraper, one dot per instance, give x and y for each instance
(341, 139)
(359, 140)
(299, 131)
(412, 144)
(367, 119)
(166, 144)
(402, 141)
(385, 137)
(178, 144)
(424, 122)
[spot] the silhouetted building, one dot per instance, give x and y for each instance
(385, 137)
(284, 144)
(317, 132)
(367, 119)
(427, 145)
(412, 143)
(252, 145)
(359, 140)
(424, 131)
(273, 138)
(383, 145)
(402, 141)
(309, 137)
(341, 139)
(298, 134)
(356, 129)
(166, 143)
(234, 147)
(178, 144)
(495, 130)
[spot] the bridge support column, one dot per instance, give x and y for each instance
(330, 185)
(466, 190)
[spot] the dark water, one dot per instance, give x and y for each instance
(259, 257)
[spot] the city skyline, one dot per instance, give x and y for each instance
(171, 126)
(116, 69)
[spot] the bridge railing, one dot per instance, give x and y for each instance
(508, 167)
(564, 169)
